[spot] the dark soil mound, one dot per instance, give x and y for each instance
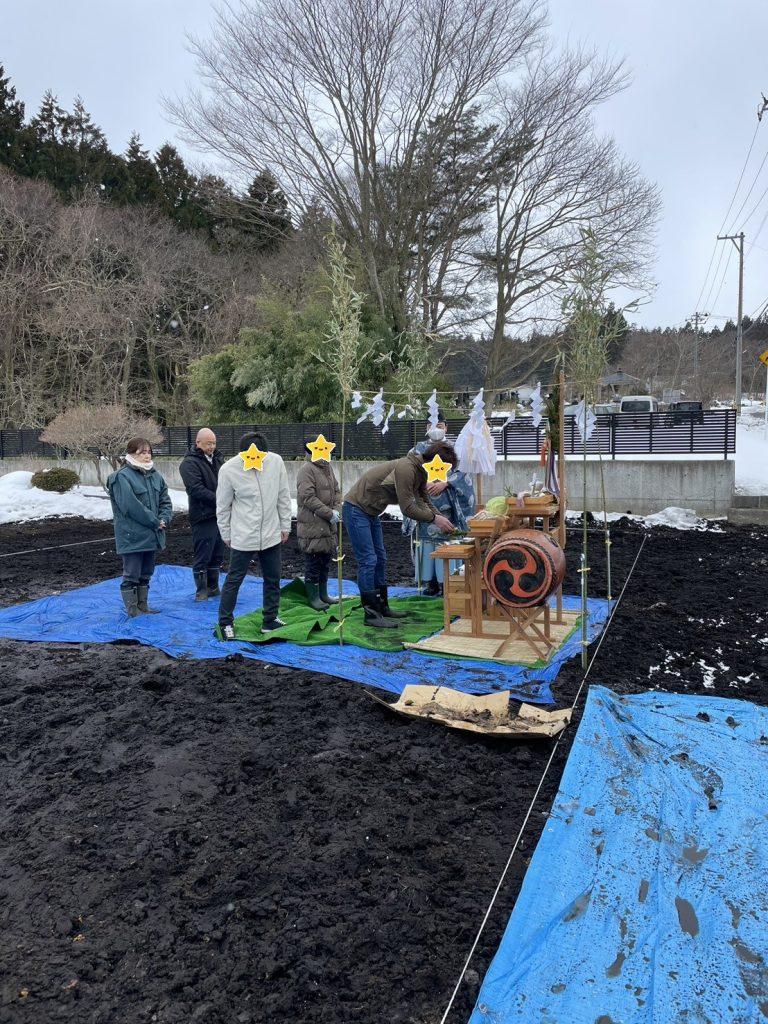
(235, 842)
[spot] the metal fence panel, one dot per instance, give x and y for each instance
(710, 432)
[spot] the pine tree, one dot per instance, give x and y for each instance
(143, 176)
(11, 125)
(177, 185)
(267, 219)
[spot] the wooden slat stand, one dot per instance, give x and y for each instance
(485, 628)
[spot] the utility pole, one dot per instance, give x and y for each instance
(697, 319)
(738, 241)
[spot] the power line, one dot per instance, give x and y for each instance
(730, 206)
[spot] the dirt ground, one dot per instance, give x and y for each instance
(232, 842)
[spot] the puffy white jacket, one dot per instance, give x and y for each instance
(253, 507)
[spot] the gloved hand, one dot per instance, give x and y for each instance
(335, 518)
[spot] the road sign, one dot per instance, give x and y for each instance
(764, 357)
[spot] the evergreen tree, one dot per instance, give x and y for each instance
(178, 188)
(266, 218)
(47, 159)
(11, 124)
(143, 176)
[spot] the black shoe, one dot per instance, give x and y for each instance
(385, 609)
(143, 597)
(201, 585)
(227, 632)
(432, 589)
(130, 598)
(272, 625)
(212, 581)
(313, 597)
(323, 585)
(374, 614)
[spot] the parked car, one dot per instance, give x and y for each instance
(639, 403)
(684, 412)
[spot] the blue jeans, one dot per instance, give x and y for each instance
(138, 567)
(367, 540)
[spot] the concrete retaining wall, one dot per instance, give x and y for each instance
(639, 487)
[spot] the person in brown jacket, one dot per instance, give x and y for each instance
(400, 482)
(319, 510)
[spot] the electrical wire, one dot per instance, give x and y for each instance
(725, 218)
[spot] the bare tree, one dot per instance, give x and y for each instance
(340, 95)
(555, 178)
(99, 433)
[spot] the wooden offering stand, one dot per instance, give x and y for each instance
(488, 627)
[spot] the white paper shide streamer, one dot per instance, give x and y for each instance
(374, 410)
(537, 405)
(390, 414)
(434, 410)
(474, 445)
(585, 420)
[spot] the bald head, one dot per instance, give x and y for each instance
(206, 440)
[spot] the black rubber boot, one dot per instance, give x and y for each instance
(313, 597)
(143, 596)
(201, 585)
(374, 613)
(323, 585)
(130, 598)
(432, 589)
(212, 579)
(385, 609)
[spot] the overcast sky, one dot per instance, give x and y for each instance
(687, 119)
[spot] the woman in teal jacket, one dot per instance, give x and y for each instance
(142, 510)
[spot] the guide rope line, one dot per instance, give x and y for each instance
(55, 547)
(528, 813)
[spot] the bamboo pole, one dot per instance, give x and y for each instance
(340, 551)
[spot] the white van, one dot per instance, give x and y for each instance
(639, 403)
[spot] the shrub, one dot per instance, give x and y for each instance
(99, 432)
(58, 479)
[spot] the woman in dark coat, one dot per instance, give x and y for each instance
(142, 510)
(319, 510)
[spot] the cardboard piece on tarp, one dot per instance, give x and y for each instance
(487, 714)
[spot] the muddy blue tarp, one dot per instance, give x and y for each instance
(646, 900)
(184, 629)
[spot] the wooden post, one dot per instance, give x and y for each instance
(561, 482)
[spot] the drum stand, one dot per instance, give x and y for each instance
(482, 617)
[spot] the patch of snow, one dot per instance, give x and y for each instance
(708, 673)
(677, 518)
(751, 456)
(22, 503)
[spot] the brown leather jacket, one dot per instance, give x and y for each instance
(400, 482)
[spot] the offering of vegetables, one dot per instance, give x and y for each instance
(496, 506)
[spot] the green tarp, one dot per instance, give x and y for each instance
(307, 627)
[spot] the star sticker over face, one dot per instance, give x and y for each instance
(321, 449)
(253, 458)
(437, 470)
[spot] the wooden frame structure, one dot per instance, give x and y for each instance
(480, 616)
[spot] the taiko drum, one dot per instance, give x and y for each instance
(523, 567)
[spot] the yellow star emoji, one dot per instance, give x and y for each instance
(321, 449)
(437, 470)
(253, 458)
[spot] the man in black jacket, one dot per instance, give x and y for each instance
(200, 472)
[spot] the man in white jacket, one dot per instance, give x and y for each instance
(253, 510)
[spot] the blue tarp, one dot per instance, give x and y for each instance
(646, 900)
(184, 629)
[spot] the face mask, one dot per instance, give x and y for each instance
(436, 434)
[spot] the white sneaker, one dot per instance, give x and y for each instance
(270, 627)
(228, 633)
